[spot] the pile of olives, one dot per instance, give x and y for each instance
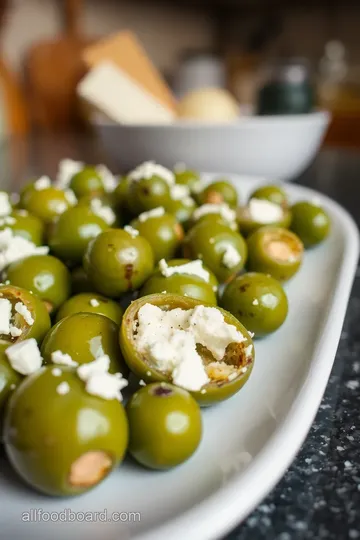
(111, 250)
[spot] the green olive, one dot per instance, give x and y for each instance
(222, 250)
(120, 193)
(258, 301)
(91, 303)
(148, 193)
(216, 218)
(163, 233)
(70, 235)
(275, 251)
(85, 337)
(274, 194)
(182, 209)
(25, 225)
(9, 380)
(63, 443)
(219, 192)
(310, 222)
(47, 204)
(189, 178)
(165, 425)
(248, 224)
(38, 320)
(116, 262)
(226, 377)
(85, 182)
(45, 276)
(182, 283)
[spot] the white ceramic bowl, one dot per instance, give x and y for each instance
(275, 147)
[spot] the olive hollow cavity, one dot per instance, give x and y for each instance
(281, 246)
(234, 363)
(16, 319)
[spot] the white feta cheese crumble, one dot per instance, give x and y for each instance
(169, 339)
(24, 312)
(63, 388)
(67, 169)
(42, 183)
(70, 197)
(99, 382)
(14, 248)
(198, 186)
(5, 316)
(129, 255)
(109, 180)
(5, 205)
(100, 365)
(130, 230)
(22, 212)
(9, 220)
(149, 169)
(63, 359)
(193, 268)
(263, 211)
(56, 372)
(15, 331)
(224, 210)
(179, 192)
(231, 257)
(142, 383)
(188, 201)
(94, 302)
(59, 207)
(103, 211)
(24, 357)
(255, 302)
(155, 212)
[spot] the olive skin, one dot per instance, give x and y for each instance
(148, 193)
(9, 380)
(183, 284)
(214, 218)
(219, 192)
(213, 392)
(163, 233)
(27, 226)
(165, 425)
(120, 193)
(275, 251)
(258, 301)
(210, 243)
(80, 283)
(41, 423)
(70, 235)
(46, 204)
(116, 263)
(188, 178)
(310, 222)
(38, 311)
(274, 194)
(248, 225)
(81, 303)
(85, 336)
(87, 182)
(182, 209)
(45, 276)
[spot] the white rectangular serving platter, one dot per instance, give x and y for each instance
(248, 441)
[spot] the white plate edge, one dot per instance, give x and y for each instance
(223, 505)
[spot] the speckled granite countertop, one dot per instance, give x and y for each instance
(319, 496)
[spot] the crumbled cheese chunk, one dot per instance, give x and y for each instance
(58, 357)
(63, 388)
(5, 315)
(100, 365)
(232, 376)
(169, 339)
(42, 183)
(248, 351)
(56, 372)
(13, 248)
(67, 169)
(24, 312)
(188, 201)
(107, 177)
(265, 212)
(5, 205)
(149, 169)
(94, 302)
(142, 383)
(8, 220)
(15, 331)
(193, 268)
(130, 230)
(255, 302)
(59, 207)
(231, 257)
(24, 356)
(224, 210)
(198, 186)
(103, 211)
(179, 192)
(99, 382)
(22, 212)
(129, 255)
(70, 197)
(155, 212)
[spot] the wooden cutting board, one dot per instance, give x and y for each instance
(52, 72)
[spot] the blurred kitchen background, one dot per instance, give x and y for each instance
(193, 42)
